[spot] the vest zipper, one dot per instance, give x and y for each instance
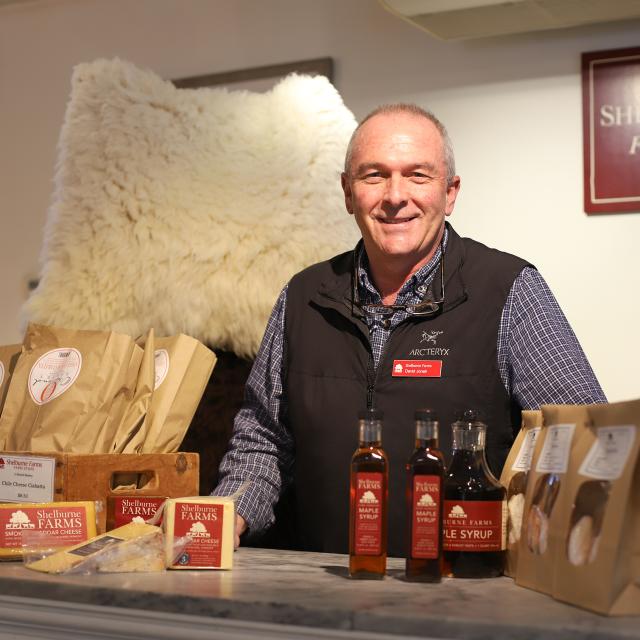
(371, 379)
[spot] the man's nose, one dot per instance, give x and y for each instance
(396, 193)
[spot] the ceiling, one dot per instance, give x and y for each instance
(459, 19)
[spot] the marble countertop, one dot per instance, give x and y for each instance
(313, 589)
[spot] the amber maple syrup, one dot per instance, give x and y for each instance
(368, 500)
(424, 495)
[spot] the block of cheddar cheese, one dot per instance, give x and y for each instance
(50, 524)
(133, 547)
(209, 523)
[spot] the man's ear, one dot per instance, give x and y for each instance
(452, 193)
(346, 188)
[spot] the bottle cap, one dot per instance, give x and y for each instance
(370, 414)
(426, 415)
(468, 415)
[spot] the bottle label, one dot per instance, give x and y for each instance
(474, 525)
(368, 514)
(425, 512)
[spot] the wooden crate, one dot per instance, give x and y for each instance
(80, 476)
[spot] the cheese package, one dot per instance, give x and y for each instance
(134, 547)
(55, 524)
(122, 509)
(209, 522)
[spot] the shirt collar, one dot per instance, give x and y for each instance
(414, 287)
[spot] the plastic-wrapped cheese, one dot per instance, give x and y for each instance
(209, 522)
(133, 547)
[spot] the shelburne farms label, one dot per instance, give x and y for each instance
(368, 522)
(478, 525)
(611, 130)
(64, 524)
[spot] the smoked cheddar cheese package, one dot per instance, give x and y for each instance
(514, 479)
(54, 524)
(209, 522)
(547, 497)
(598, 566)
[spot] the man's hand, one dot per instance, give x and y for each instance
(241, 527)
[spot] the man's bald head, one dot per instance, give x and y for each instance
(409, 109)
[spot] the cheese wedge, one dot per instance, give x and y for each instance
(209, 523)
(46, 524)
(133, 547)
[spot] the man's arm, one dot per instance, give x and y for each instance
(261, 447)
(540, 358)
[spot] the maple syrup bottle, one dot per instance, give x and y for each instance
(368, 500)
(474, 516)
(425, 476)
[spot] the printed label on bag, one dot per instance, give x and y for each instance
(523, 460)
(161, 357)
(54, 373)
(368, 513)
(425, 531)
(608, 454)
(26, 478)
(554, 456)
(478, 525)
(203, 524)
(417, 369)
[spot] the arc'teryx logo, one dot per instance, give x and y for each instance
(430, 336)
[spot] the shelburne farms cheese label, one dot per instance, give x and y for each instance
(124, 509)
(58, 524)
(209, 523)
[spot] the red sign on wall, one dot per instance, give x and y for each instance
(611, 125)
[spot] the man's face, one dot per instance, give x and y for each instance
(396, 187)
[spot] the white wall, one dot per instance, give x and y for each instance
(512, 105)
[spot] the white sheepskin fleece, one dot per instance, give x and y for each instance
(187, 210)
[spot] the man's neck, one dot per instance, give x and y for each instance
(389, 275)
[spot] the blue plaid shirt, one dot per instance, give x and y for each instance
(539, 358)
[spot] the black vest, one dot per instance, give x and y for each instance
(327, 369)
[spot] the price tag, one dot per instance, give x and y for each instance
(26, 478)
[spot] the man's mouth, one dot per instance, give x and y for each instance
(395, 220)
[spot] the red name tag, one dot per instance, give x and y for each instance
(417, 369)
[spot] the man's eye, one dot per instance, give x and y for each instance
(372, 176)
(418, 176)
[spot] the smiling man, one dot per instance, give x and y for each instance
(414, 316)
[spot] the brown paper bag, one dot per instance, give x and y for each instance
(598, 566)
(63, 388)
(546, 495)
(183, 366)
(514, 479)
(8, 357)
(132, 430)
